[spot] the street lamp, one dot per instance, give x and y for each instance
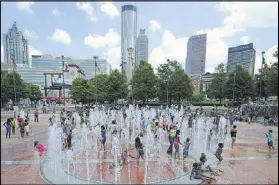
(172, 69)
(201, 87)
(95, 82)
(263, 61)
(129, 75)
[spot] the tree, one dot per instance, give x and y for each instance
(144, 82)
(13, 84)
(240, 85)
(218, 85)
(115, 86)
(271, 80)
(34, 93)
(83, 91)
(100, 83)
(172, 81)
(4, 96)
(180, 85)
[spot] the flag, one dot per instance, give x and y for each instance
(14, 65)
(265, 66)
(95, 63)
(65, 66)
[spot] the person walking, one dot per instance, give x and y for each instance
(7, 124)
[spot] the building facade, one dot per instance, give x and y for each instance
(87, 65)
(15, 47)
(142, 47)
(206, 81)
(128, 40)
(196, 81)
(196, 54)
(244, 55)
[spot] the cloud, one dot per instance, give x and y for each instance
(113, 56)
(250, 14)
(154, 25)
(110, 39)
(56, 12)
(244, 39)
(88, 9)
(2, 53)
(109, 9)
(25, 6)
(62, 37)
(33, 51)
(170, 48)
(30, 34)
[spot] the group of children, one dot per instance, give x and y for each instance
(10, 125)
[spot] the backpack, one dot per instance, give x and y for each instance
(175, 142)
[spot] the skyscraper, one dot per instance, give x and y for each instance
(142, 47)
(128, 39)
(242, 55)
(196, 54)
(15, 47)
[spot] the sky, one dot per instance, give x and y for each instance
(87, 29)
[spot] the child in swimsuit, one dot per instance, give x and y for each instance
(270, 140)
(219, 151)
(40, 148)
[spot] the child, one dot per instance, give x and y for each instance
(104, 136)
(186, 148)
(233, 135)
(69, 139)
(176, 143)
(139, 147)
(121, 160)
(7, 124)
(21, 128)
(13, 125)
(206, 168)
(197, 174)
(40, 148)
(270, 140)
(219, 151)
(26, 127)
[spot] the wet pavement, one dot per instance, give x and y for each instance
(249, 162)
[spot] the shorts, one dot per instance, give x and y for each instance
(270, 143)
(233, 138)
(140, 153)
(103, 141)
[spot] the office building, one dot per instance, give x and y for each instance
(196, 81)
(87, 65)
(15, 47)
(128, 39)
(142, 47)
(196, 54)
(242, 55)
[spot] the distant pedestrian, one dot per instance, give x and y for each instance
(36, 116)
(26, 128)
(266, 119)
(233, 135)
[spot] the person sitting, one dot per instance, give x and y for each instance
(196, 173)
(40, 148)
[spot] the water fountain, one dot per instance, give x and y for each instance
(81, 164)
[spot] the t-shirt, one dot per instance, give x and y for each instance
(41, 148)
(103, 134)
(269, 137)
(233, 132)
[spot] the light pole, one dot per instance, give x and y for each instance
(201, 86)
(63, 82)
(129, 76)
(261, 77)
(233, 85)
(95, 82)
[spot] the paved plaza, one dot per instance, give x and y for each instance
(249, 162)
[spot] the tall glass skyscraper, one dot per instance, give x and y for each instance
(142, 47)
(15, 47)
(244, 55)
(128, 39)
(196, 54)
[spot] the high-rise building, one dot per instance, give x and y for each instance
(55, 63)
(242, 55)
(15, 47)
(196, 54)
(142, 47)
(128, 39)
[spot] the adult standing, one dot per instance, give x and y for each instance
(36, 116)
(266, 119)
(13, 125)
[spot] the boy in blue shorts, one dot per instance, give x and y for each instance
(270, 140)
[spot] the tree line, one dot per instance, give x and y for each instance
(170, 83)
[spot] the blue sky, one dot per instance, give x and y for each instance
(84, 29)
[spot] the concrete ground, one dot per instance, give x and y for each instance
(249, 162)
